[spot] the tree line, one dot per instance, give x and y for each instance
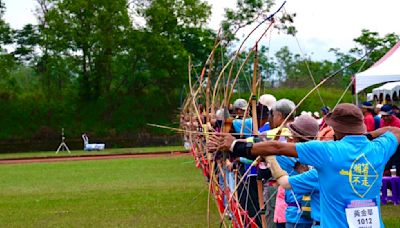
(110, 67)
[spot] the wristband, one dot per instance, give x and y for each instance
(249, 146)
(233, 145)
(239, 149)
(242, 149)
(369, 136)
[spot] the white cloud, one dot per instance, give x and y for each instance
(321, 24)
(20, 12)
(324, 24)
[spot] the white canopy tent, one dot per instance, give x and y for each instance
(387, 69)
(389, 90)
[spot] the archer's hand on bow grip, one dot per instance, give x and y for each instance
(276, 169)
(219, 142)
(214, 143)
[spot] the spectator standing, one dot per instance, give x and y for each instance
(396, 111)
(377, 116)
(324, 112)
(367, 109)
(388, 118)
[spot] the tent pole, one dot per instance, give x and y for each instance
(357, 99)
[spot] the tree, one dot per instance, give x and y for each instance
(27, 40)
(249, 12)
(90, 32)
(174, 30)
(369, 43)
(8, 85)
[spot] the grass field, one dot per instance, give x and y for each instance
(104, 152)
(159, 192)
(148, 192)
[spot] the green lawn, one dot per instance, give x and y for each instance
(81, 152)
(391, 215)
(156, 192)
(148, 192)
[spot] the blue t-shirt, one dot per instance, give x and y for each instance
(349, 169)
(377, 121)
(307, 184)
(264, 128)
(248, 126)
(287, 164)
(293, 212)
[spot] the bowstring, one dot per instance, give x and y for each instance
(246, 186)
(266, 202)
(212, 173)
(353, 79)
(306, 63)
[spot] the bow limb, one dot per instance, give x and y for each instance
(246, 113)
(208, 89)
(260, 186)
(205, 130)
(252, 96)
(218, 79)
(193, 96)
(229, 96)
(253, 103)
(254, 111)
(270, 17)
(255, 81)
(221, 73)
(205, 126)
(245, 61)
(210, 56)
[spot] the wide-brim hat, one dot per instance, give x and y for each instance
(346, 118)
(304, 127)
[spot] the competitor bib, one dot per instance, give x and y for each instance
(362, 214)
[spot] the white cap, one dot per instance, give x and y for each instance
(267, 100)
(240, 104)
(316, 114)
(378, 106)
(303, 113)
(220, 114)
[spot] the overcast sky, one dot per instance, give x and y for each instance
(321, 24)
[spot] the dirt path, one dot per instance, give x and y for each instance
(92, 157)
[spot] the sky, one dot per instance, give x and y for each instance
(321, 24)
